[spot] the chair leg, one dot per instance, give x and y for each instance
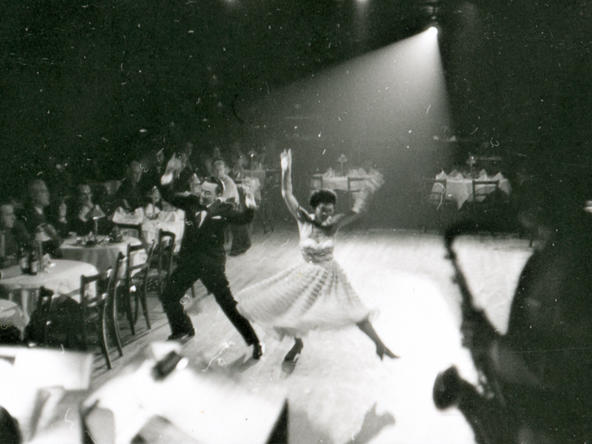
(114, 324)
(102, 329)
(128, 310)
(145, 308)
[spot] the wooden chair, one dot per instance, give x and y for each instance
(351, 181)
(436, 207)
(93, 309)
(136, 284)
(481, 189)
(166, 253)
(131, 230)
(484, 199)
(115, 287)
(434, 192)
(166, 259)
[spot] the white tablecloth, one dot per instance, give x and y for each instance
(62, 278)
(338, 183)
(460, 189)
(102, 256)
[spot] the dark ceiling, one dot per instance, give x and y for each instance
(104, 79)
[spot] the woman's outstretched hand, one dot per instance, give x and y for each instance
(286, 160)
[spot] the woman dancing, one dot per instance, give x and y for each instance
(314, 294)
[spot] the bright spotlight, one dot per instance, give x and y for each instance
(432, 30)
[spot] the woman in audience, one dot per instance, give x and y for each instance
(88, 216)
(60, 216)
(154, 205)
(36, 219)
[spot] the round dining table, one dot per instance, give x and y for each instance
(60, 276)
(102, 254)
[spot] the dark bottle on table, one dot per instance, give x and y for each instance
(23, 258)
(34, 261)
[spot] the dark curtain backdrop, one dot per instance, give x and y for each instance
(98, 83)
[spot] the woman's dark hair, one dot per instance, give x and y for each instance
(322, 196)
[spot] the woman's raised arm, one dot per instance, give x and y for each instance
(286, 164)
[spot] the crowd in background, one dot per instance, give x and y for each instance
(57, 204)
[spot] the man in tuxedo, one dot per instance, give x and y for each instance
(202, 256)
(131, 191)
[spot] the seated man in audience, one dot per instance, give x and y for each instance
(36, 220)
(157, 166)
(107, 197)
(241, 239)
(86, 212)
(131, 191)
(13, 234)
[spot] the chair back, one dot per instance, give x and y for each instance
(134, 269)
(131, 230)
(117, 276)
(166, 250)
(433, 191)
(92, 304)
(352, 184)
(88, 299)
(482, 188)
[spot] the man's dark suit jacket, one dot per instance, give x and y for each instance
(14, 238)
(134, 195)
(205, 243)
(32, 219)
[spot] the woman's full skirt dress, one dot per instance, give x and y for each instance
(314, 294)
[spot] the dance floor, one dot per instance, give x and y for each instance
(339, 391)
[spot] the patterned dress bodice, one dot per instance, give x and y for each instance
(316, 244)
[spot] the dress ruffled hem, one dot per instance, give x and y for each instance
(309, 296)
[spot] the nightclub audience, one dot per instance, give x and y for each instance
(13, 234)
